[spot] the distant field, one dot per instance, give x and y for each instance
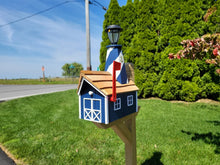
(57, 80)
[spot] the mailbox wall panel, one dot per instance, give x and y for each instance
(126, 104)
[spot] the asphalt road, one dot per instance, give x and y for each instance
(4, 159)
(9, 92)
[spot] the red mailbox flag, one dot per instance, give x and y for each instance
(116, 66)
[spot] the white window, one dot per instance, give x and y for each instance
(130, 100)
(117, 104)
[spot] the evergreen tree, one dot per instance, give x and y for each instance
(143, 47)
(128, 24)
(111, 17)
(154, 28)
(214, 18)
(136, 2)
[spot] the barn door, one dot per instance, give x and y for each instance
(92, 110)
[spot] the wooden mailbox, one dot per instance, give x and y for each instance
(95, 90)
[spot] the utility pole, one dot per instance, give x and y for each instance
(88, 49)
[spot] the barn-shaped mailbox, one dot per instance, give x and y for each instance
(95, 90)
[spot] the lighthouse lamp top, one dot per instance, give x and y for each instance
(113, 33)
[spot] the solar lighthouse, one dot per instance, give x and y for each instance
(108, 99)
(114, 53)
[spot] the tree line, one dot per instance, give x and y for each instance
(152, 29)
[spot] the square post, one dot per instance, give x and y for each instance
(125, 128)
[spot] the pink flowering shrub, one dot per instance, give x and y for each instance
(207, 47)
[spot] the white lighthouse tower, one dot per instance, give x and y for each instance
(114, 53)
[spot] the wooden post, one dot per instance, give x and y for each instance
(125, 128)
(130, 148)
(127, 132)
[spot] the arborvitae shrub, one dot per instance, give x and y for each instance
(190, 91)
(155, 28)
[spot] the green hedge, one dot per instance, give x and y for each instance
(154, 28)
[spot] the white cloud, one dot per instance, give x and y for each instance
(7, 30)
(43, 41)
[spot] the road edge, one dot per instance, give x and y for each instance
(10, 156)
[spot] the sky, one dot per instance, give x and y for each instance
(50, 39)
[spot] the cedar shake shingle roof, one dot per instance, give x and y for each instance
(102, 80)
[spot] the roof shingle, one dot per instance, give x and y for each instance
(102, 80)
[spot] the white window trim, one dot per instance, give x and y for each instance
(130, 99)
(117, 104)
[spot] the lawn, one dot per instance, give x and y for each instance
(45, 130)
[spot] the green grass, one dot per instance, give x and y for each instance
(39, 81)
(46, 130)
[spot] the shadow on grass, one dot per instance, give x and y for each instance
(216, 123)
(208, 138)
(154, 160)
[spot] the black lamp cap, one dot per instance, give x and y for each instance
(111, 27)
